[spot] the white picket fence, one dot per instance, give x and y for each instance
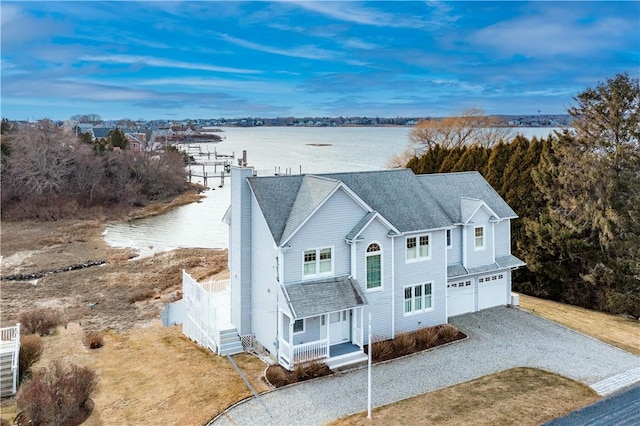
(207, 308)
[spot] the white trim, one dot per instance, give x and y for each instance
(475, 238)
(339, 185)
(366, 256)
(423, 309)
(317, 263)
(393, 287)
(482, 204)
(304, 326)
(385, 222)
(418, 258)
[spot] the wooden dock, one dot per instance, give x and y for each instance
(202, 162)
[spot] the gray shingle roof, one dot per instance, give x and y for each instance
(312, 192)
(410, 203)
(502, 262)
(450, 188)
(310, 298)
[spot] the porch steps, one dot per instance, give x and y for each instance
(347, 361)
(230, 343)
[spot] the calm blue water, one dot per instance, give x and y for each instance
(269, 149)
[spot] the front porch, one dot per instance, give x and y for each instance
(340, 342)
(322, 320)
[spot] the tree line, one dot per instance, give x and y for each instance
(577, 193)
(50, 174)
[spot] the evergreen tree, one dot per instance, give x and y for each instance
(496, 164)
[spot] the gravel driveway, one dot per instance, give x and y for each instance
(498, 339)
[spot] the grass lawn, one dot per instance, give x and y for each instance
(522, 396)
(615, 330)
(153, 375)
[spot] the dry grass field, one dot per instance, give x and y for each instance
(522, 396)
(615, 330)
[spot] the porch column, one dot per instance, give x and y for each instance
(291, 351)
(361, 327)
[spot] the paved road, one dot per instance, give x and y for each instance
(498, 339)
(620, 409)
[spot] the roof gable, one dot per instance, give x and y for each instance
(450, 188)
(470, 206)
(312, 193)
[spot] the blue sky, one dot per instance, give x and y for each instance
(176, 60)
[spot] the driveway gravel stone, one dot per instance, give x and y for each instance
(498, 339)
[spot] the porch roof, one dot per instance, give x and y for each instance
(310, 298)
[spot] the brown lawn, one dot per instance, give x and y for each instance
(522, 396)
(615, 330)
(154, 375)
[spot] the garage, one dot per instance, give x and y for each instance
(492, 291)
(460, 298)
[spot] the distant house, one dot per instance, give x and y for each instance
(137, 141)
(310, 256)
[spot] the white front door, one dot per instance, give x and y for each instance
(338, 327)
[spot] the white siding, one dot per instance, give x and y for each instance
(484, 256)
(380, 301)
(454, 254)
(326, 228)
(264, 291)
(414, 273)
(240, 245)
(503, 238)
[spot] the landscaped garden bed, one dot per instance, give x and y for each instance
(383, 350)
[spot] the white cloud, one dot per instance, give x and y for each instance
(305, 52)
(163, 63)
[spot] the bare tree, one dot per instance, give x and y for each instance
(470, 127)
(40, 163)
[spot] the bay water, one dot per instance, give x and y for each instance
(269, 150)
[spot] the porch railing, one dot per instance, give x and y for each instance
(311, 351)
(215, 286)
(303, 352)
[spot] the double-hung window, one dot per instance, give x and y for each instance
(449, 243)
(417, 298)
(478, 233)
(374, 267)
(317, 262)
(298, 326)
(418, 247)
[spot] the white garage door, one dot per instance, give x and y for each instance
(460, 298)
(492, 291)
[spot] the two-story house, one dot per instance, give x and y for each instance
(310, 256)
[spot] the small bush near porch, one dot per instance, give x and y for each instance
(383, 350)
(412, 342)
(279, 376)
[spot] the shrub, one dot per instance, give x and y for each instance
(140, 294)
(381, 349)
(447, 332)
(404, 343)
(31, 347)
(40, 320)
(310, 370)
(93, 340)
(57, 394)
(426, 337)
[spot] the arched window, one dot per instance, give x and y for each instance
(374, 267)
